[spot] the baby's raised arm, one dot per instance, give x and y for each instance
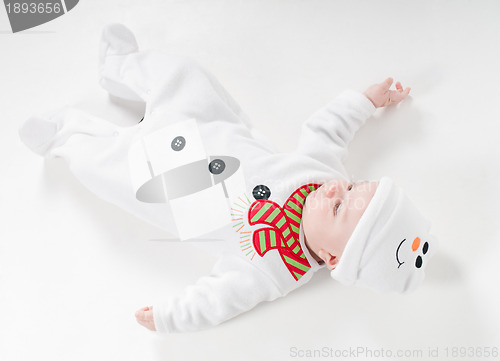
(380, 94)
(327, 133)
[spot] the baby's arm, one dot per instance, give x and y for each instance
(327, 133)
(235, 286)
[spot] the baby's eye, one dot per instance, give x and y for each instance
(336, 208)
(349, 187)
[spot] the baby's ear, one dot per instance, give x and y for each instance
(329, 259)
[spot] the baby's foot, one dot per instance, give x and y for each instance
(145, 317)
(37, 133)
(117, 61)
(117, 39)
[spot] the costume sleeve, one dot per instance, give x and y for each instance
(235, 286)
(327, 133)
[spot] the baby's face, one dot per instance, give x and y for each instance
(330, 215)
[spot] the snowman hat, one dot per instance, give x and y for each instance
(390, 246)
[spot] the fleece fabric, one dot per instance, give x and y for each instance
(196, 167)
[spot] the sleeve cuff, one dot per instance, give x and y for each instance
(363, 104)
(158, 319)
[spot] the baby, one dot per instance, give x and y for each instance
(196, 167)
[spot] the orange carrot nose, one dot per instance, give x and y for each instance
(415, 244)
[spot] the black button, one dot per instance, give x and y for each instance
(217, 166)
(261, 192)
(418, 262)
(178, 143)
(425, 248)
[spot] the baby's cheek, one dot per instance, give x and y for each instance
(305, 216)
(313, 227)
(307, 222)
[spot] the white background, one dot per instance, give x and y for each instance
(73, 269)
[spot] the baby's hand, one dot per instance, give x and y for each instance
(381, 96)
(145, 317)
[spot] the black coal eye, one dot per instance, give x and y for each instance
(178, 143)
(217, 166)
(425, 248)
(418, 262)
(261, 192)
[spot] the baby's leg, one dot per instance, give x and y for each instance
(162, 80)
(97, 154)
(46, 134)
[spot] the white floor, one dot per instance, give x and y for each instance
(73, 269)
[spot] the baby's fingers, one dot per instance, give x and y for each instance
(144, 316)
(386, 84)
(397, 96)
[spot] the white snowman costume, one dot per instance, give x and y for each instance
(195, 167)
